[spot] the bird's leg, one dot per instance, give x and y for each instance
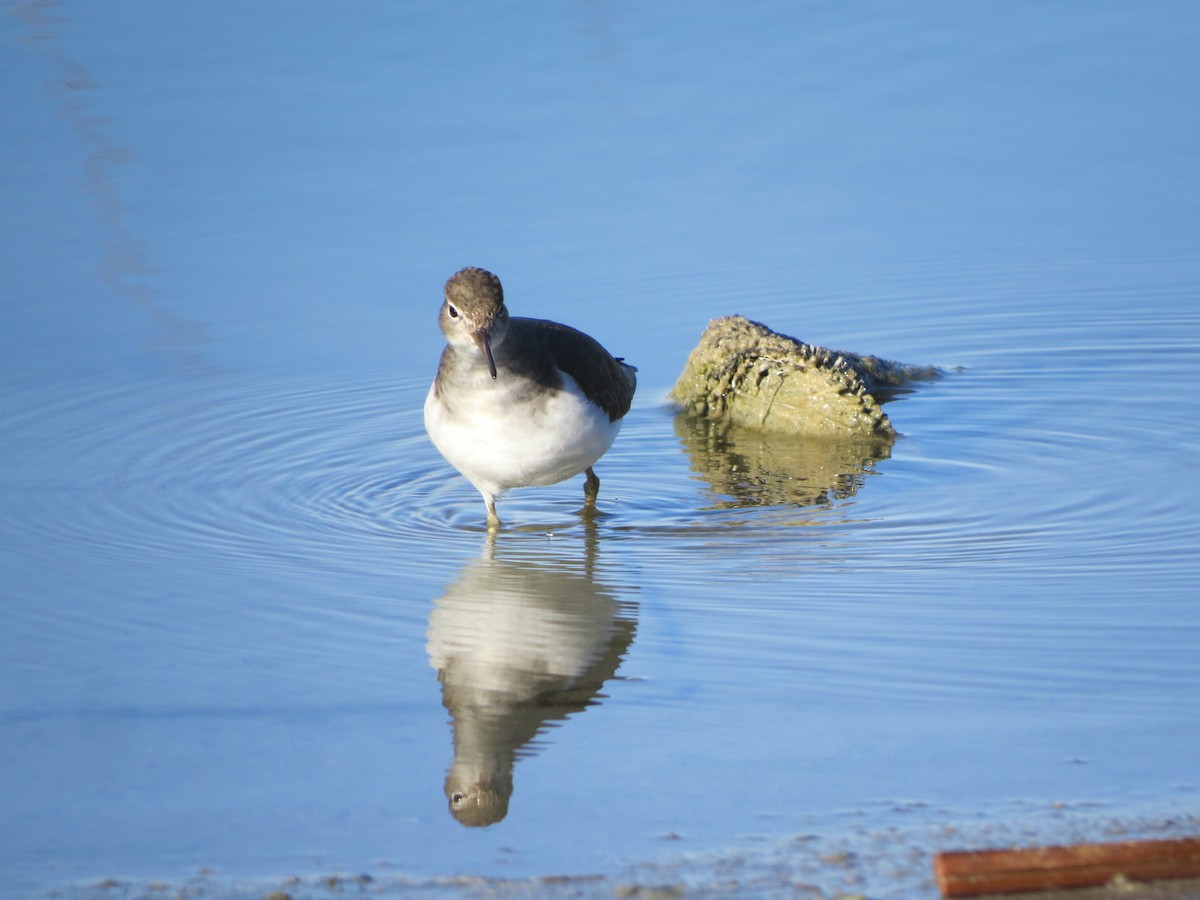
(591, 487)
(493, 520)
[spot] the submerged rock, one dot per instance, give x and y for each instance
(743, 373)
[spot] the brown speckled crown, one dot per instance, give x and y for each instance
(472, 282)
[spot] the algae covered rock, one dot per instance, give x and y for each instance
(745, 374)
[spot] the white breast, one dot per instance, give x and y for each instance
(501, 436)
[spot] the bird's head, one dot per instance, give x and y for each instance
(474, 313)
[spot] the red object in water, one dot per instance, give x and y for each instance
(966, 873)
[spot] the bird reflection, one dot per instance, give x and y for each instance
(754, 468)
(519, 644)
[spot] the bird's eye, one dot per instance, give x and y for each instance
(453, 312)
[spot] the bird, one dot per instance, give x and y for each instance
(521, 402)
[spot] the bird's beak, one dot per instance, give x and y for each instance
(483, 341)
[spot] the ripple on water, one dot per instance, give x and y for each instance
(266, 471)
(998, 462)
(243, 468)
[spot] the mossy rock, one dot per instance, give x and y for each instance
(743, 373)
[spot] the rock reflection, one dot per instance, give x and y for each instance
(752, 468)
(519, 644)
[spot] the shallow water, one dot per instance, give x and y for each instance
(249, 611)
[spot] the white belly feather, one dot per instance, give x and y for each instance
(499, 439)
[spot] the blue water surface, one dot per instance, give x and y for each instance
(244, 599)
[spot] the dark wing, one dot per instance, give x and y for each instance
(608, 382)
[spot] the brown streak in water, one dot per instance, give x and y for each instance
(124, 265)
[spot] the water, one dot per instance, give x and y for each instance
(233, 566)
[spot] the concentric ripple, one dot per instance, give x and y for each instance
(247, 468)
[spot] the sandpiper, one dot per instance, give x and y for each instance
(520, 402)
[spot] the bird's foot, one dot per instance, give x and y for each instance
(591, 487)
